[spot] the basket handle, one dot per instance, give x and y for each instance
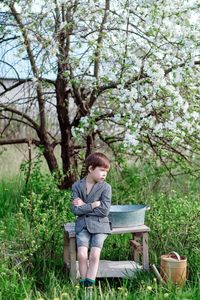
(176, 254)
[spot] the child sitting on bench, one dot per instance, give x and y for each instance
(91, 204)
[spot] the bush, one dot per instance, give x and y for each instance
(37, 223)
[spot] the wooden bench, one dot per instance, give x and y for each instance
(139, 248)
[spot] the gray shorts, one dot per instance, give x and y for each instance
(89, 240)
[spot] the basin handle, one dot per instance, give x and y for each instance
(147, 207)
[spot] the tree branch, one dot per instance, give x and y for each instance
(19, 113)
(100, 40)
(13, 86)
(4, 40)
(19, 141)
(26, 39)
(16, 120)
(159, 156)
(6, 63)
(113, 84)
(167, 71)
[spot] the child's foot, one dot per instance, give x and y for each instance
(82, 282)
(89, 282)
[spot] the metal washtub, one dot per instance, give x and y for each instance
(127, 215)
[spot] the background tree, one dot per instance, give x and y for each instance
(122, 73)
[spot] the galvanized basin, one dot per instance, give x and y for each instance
(127, 215)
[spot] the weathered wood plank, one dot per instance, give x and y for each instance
(113, 269)
(145, 257)
(72, 253)
(66, 250)
(69, 227)
(117, 268)
(136, 245)
(140, 228)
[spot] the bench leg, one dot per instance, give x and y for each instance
(136, 247)
(140, 249)
(72, 251)
(145, 251)
(66, 252)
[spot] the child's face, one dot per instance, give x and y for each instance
(98, 174)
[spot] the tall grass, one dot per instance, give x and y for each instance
(31, 265)
(11, 158)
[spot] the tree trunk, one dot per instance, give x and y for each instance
(89, 149)
(67, 144)
(50, 158)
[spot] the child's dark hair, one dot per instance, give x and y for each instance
(97, 159)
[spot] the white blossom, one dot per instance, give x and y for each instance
(195, 115)
(117, 117)
(85, 121)
(185, 107)
(148, 76)
(138, 107)
(131, 139)
(158, 127)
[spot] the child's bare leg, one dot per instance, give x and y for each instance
(83, 261)
(94, 258)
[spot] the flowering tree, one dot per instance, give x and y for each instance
(122, 73)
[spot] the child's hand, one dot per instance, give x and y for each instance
(96, 204)
(78, 202)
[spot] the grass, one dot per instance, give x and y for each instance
(11, 158)
(31, 263)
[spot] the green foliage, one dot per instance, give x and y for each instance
(174, 214)
(44, 209)
(31, 235)
(175, 223)
(137, 183)
(34, 227)
(9, 195)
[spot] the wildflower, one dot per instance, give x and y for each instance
(120, 288)
(166, 295)
(77, 286)
(149, 288)
(64, 295)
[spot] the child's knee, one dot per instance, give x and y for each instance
(82, 253)
(95, 254)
